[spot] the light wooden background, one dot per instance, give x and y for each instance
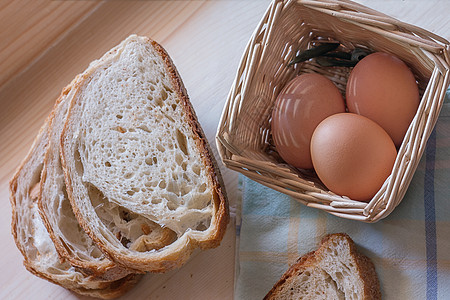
(44, 44)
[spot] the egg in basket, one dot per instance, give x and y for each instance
(253, 135)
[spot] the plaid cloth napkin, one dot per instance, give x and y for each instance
(410, 248)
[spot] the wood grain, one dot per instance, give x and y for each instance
(44, 44)
(21, 20)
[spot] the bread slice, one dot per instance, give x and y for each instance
(335, 271)
(138, 169)
(32, 239)
(70, 240)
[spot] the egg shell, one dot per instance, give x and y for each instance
(352, 155)
(301, 105)
(383, 88)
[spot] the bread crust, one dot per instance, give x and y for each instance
(164, 260)
(90, 286)
(105, 290)
(221, 202)
(99, 270)
(366, 268)
(41, 137)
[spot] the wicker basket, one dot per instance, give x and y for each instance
(244, 138)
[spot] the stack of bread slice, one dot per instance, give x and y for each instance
(120, 179)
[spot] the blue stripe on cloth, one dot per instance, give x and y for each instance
(430, 218)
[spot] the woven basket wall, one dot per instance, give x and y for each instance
(244, 136)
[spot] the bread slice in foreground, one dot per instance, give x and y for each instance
(139, 173)
(70, 240)
(32, 239)
(335, 271)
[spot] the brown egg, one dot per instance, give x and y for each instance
(352, 155)
(302, 104)
(382, 88)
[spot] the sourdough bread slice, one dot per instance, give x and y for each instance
(139, 173)
(33, 241)
(69, 239)
(335, 271)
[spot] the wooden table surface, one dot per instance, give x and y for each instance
(44, 44)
